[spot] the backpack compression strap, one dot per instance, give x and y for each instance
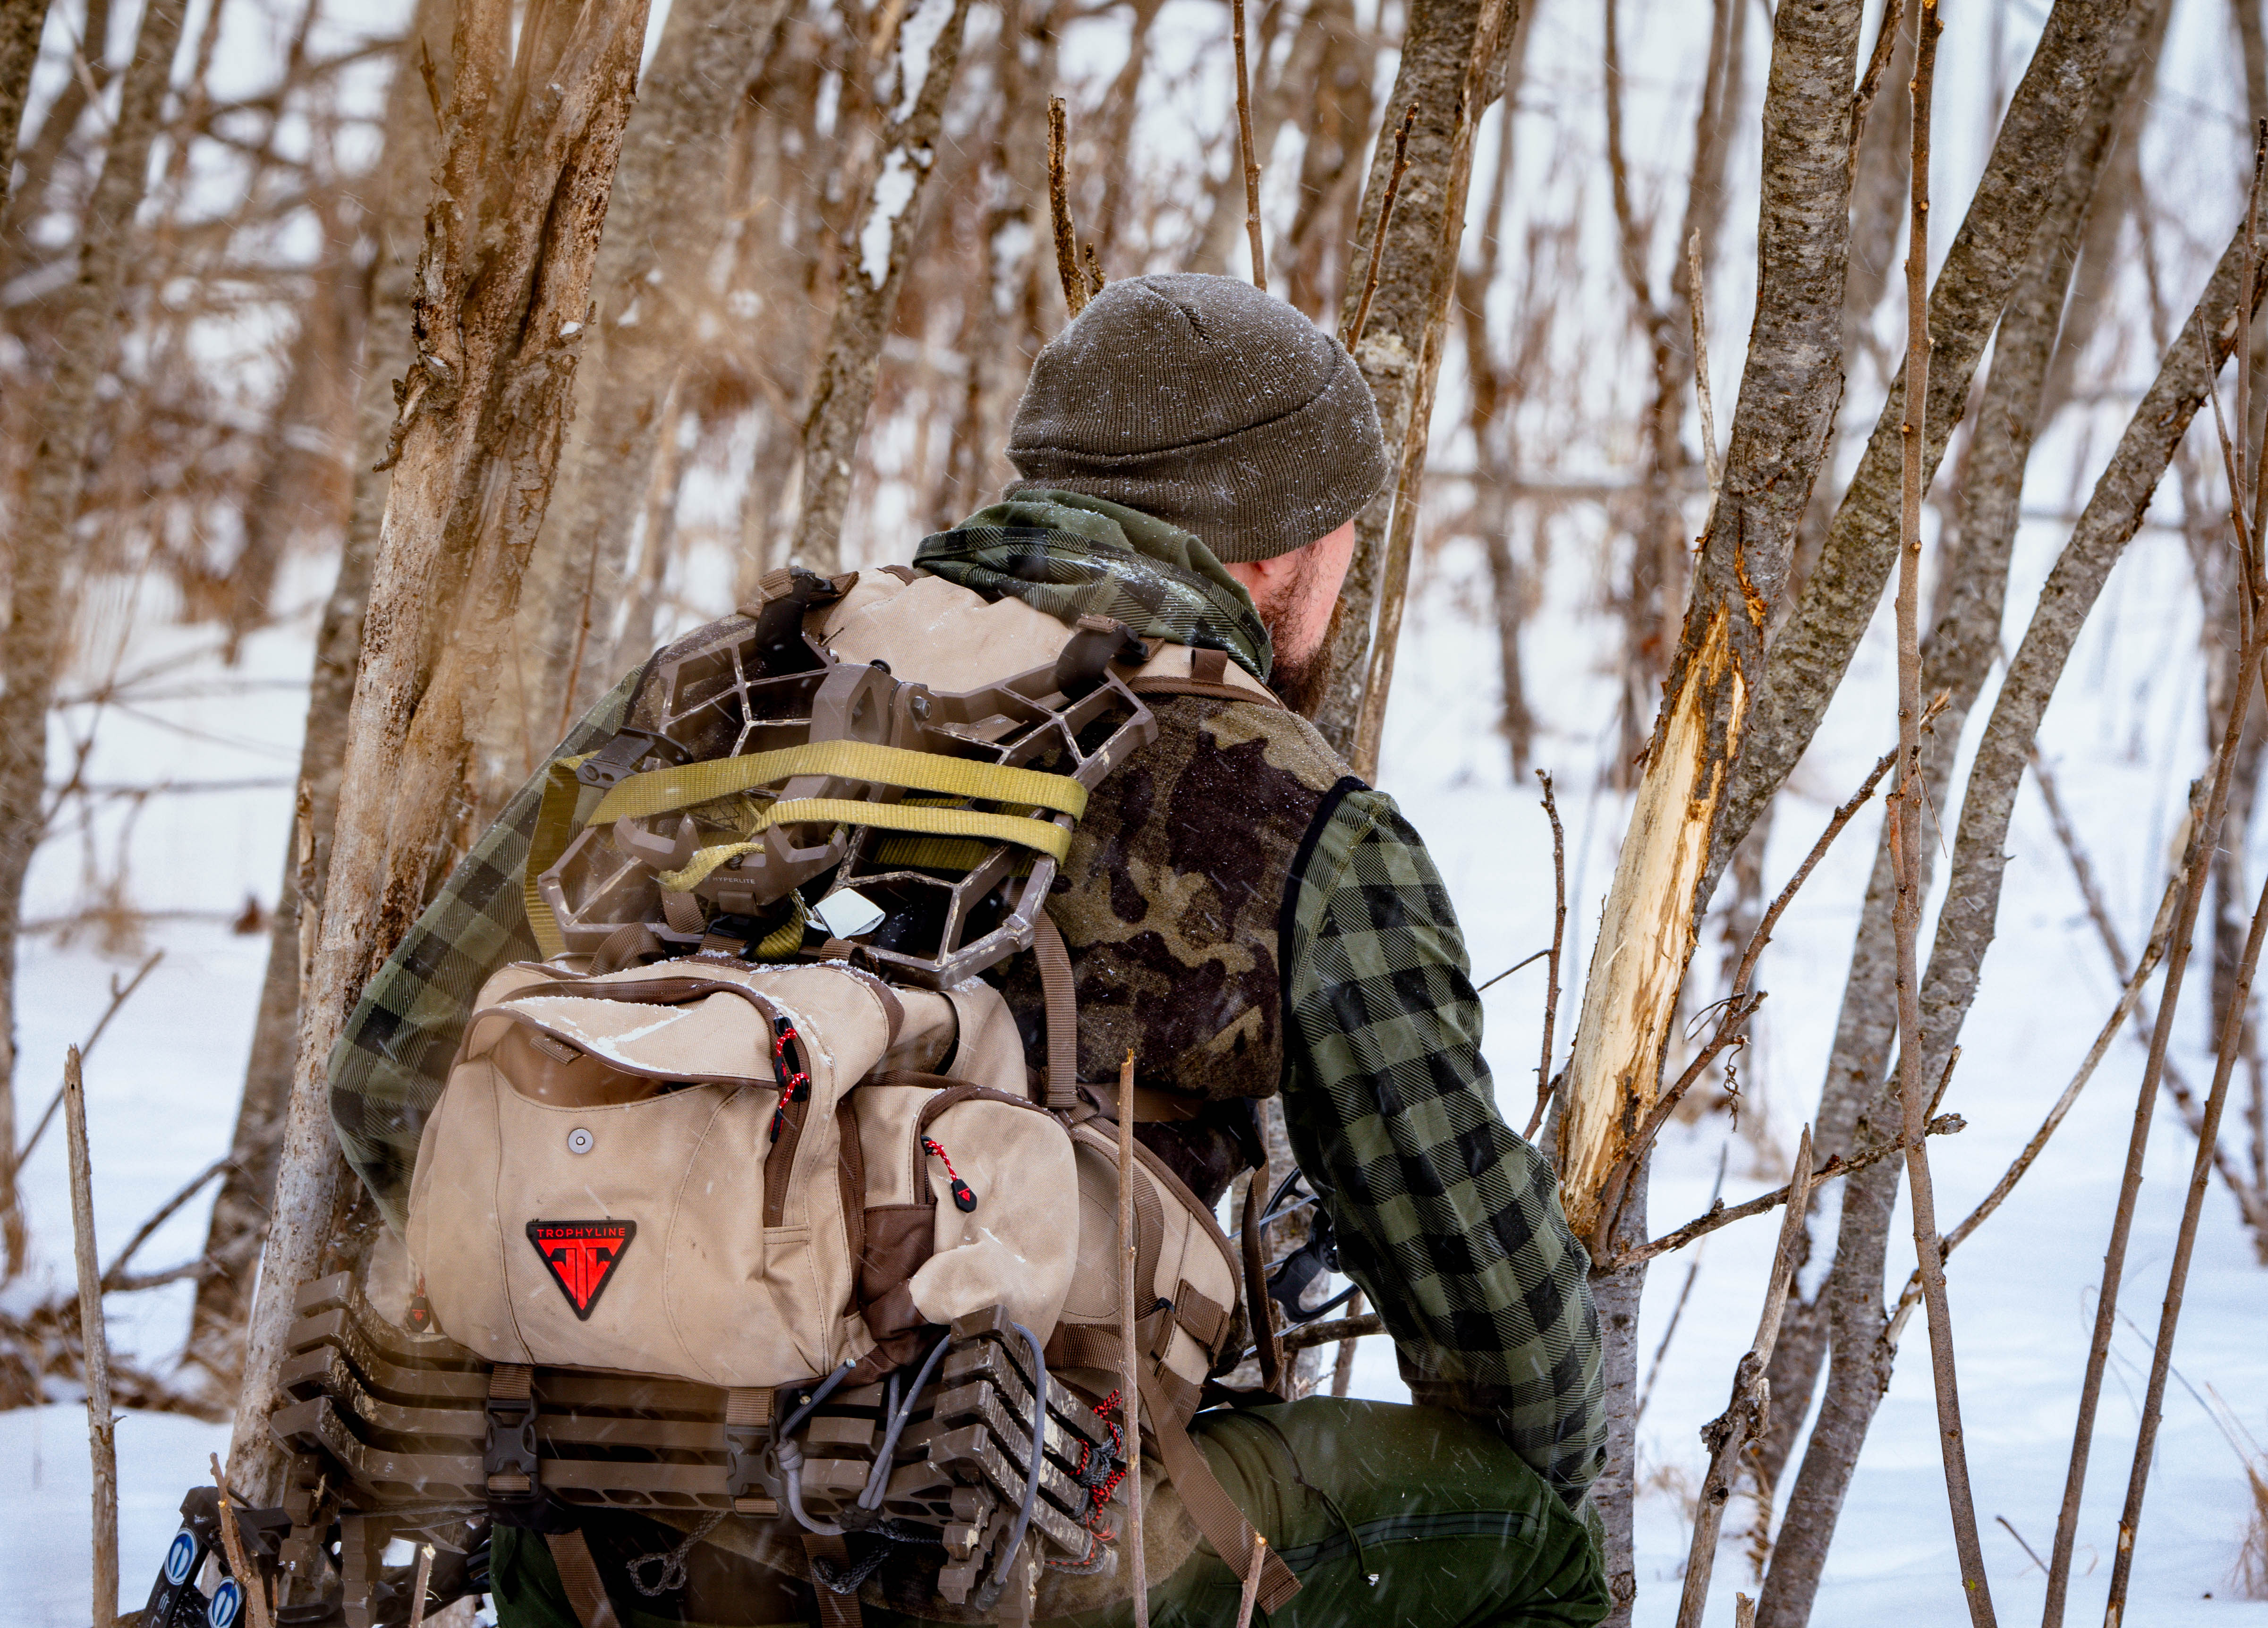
(1217, 1519)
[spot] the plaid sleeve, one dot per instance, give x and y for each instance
(1449, 1221)
(392, 1058)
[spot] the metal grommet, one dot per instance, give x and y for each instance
(580, 1141)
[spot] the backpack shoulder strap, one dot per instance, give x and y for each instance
(1215, 1514)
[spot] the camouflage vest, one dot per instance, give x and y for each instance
(1172, 902)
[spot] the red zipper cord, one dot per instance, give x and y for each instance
(794, 1082)
(964, 1198)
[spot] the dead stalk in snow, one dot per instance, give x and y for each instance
(1251, 188)
(1558, 942)
(1074, 285)
(1129, 1352)
(102, 1429)
(2253, 607)
(1728, 1434)
(1907, 813)
(2154, 1402)
(2206, 842)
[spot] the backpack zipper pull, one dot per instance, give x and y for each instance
(964, 1198)
(794, 1081)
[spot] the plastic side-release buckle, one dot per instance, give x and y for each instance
(619, 758)
(509, 1457)
(749, 1473)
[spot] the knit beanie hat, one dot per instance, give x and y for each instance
(1208, 403)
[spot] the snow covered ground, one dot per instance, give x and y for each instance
(162, 1088)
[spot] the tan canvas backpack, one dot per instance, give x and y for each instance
(779, 1159)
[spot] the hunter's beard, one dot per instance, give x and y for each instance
(1299, 630)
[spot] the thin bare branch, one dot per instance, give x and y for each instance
(1244, 146)
(1728, 1434)
(1374, 259)
(1558, 939)
(102, 1429)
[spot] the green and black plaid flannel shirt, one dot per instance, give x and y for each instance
(1450, 1222)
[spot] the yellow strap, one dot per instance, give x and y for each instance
(661, 791)
(555, 828)
(1044, 835)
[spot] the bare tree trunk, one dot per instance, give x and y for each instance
(56, 127)
(86, 324)
(1334, 114)
(663, 227)
(1956, 661)
(1657, 577)
(1409, 309)
(873, 271)
(321, 355)
(21, 23)
(1981, 267)
(215, 1349)
(1862, 1351)
(528, 157)
(1781, 429)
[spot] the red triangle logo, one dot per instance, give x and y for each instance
(582, 1257)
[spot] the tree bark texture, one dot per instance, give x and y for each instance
(56, 127)
(662, 230)
(1789, 391)
(1485, 73)
(21, 23)
(1956, 661)
(1860, 1351)
(519, 197)
(214, 1350)
(85, 321)
(1809, 654)
(873, 271)
(1437, 51)
(1790, 387)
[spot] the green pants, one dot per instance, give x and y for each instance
(1386, 1513)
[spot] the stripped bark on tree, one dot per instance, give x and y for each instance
(528, 152)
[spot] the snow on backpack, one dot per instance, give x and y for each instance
(746, 1199)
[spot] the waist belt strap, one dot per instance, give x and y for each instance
(1217, 1519)
(835, 1611)
(579, 1575)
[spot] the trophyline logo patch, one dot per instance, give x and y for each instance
(582, 1257)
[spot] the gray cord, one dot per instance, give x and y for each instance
(826, 1389)
(791, 1463)
(989, 1594)
(878, 1480)
(790, 1457)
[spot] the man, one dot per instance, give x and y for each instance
(1246, 917)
